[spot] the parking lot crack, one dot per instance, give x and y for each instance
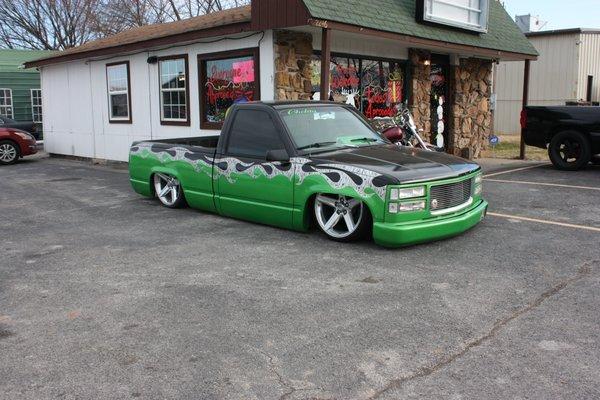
(291, 389)
(424, 371)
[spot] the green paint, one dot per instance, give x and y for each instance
(283, 198)
(20, 81)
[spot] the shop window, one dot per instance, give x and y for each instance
(373, 86)
(119, 100)
(6, 103)
(174, 95)
(36, 105)
(226, 79)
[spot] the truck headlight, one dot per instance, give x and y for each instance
(478, 189)
(478, 179)
(408, 193)
(410, 206)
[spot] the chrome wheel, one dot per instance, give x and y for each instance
(168, 189)
(339, 217)
(8, 153)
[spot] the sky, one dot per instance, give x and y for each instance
(560, 14)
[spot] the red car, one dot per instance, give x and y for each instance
(15, 144)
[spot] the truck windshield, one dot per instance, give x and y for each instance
(315, 128)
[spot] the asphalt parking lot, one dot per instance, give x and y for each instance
(107, 295)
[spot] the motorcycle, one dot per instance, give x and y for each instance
(402, 130)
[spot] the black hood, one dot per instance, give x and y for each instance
(400, 164)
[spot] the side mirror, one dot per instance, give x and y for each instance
(278, 156)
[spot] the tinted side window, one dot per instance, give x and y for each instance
(253, 133)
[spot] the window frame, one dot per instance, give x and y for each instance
(253, 52)
(173, 121)
(12, 105)
(34, 106)
(280, 130)
(424, 14)
(119, 120)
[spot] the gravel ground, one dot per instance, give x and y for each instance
(107, 295)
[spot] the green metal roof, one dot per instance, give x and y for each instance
(11, 60)
(399, 16)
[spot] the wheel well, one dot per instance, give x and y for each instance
(152, 190)
(309, 215)
(563, 128)
(17, 146)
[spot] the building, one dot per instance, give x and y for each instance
(178, 79)
(20, 90)
(567, 71)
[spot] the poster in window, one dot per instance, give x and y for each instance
(383, 85)
(228, 82)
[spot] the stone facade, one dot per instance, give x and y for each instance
(470, 86)
(473, 119)
(293, 72)
(420, 85)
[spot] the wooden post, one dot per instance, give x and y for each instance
(525, 102)
(325, 62)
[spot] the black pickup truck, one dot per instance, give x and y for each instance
(571, 134)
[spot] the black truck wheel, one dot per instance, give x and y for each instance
(570, 150)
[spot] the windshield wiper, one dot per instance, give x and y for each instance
(366, 140)
(316, 145)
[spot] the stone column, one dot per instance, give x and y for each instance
(293, 72)
(420, 98)
(473, 119)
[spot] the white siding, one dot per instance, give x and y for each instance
(553, 81)
(589, 64)
(76, 103)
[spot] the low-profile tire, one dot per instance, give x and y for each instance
(342, 218)
(570, 150)
(168, 190)
(9, 152)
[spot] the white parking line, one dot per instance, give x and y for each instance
(515, 170)
(544, 184)
(545, 222)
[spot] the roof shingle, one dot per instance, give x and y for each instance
(399, 16)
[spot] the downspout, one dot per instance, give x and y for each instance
(150, 97)
(93, 113)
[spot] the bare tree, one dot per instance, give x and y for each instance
(62, 24)
(182, 9)
(117, 15)
(47, 24)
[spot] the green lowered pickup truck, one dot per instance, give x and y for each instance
(299, 164)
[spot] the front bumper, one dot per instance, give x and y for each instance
(405, 234)
(30, 148)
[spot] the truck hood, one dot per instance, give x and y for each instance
(399, 164)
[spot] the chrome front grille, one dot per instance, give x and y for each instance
(451, 195)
